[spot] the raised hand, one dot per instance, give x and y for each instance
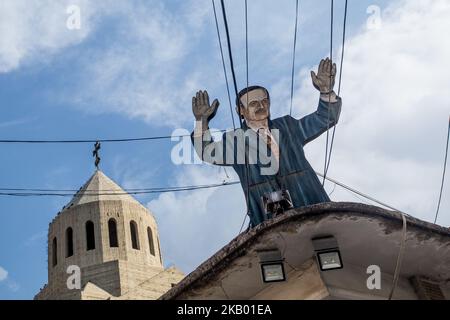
(201, 108)
(325, 78)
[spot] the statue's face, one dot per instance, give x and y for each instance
(258, 106)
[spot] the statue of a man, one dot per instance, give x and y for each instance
(294, 183)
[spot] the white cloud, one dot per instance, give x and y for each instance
(158, 54)
(35, 30)
(391, 137)
(149, 72)
(389, 143)
(3, 274)
(8, 282)
(163, 55)
(142, 72)
(194, 224)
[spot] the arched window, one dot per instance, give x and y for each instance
(69, 242)
(150, 241)
(90, 236)
(134, 235)
(112, 229)
(54, 252)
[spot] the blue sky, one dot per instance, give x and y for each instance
(131, 70)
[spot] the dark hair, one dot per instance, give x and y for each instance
(244, 91)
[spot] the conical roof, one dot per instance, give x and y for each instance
(100, 187)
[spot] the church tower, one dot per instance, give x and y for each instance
(112, 240)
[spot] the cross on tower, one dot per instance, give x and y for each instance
(95, 154)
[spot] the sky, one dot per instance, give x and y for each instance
(131, 70)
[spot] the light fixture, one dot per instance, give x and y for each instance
(329, 260)
(272, 268)
(328, 254)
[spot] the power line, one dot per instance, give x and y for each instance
(293, 56)
(62, 193)
(359, 193)
(356, 196)
(398, 264)
(243, 223)
(247, 191)
(343, 46)
(65, 192)
(223, 63)
(246, 46)
(443, 173)
(329, 94)
(227, 32)
(101, 140)
(340, 81)
(103, 190)
(334, 187)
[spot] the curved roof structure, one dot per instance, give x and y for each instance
(100, 187)
(367, 235)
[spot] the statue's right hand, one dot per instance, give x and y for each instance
(201, 108)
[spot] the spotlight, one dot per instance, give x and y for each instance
(272, 268)
(328, 254)
(329, 260)
(273, 272)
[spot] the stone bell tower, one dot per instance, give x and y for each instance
(114, 241)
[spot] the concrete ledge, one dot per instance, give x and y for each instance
(238, 245)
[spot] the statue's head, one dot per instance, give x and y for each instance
(254, 103)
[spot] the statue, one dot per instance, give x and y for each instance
(294, 184)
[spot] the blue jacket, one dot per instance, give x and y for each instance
(294, 171)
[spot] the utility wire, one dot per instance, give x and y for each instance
(246, 45)
(293, 56)
(66, 192)
(340, 80)
(359, 193)
(247, 191)
(332, 191)
(443, 173)
(101, 140)
(227, 32)
(329, 94)
(243, 223)
(104, 192)
(223, 63)
(398, 264)
(356, 196)
(343, 46)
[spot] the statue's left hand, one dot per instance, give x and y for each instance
(325, 78)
